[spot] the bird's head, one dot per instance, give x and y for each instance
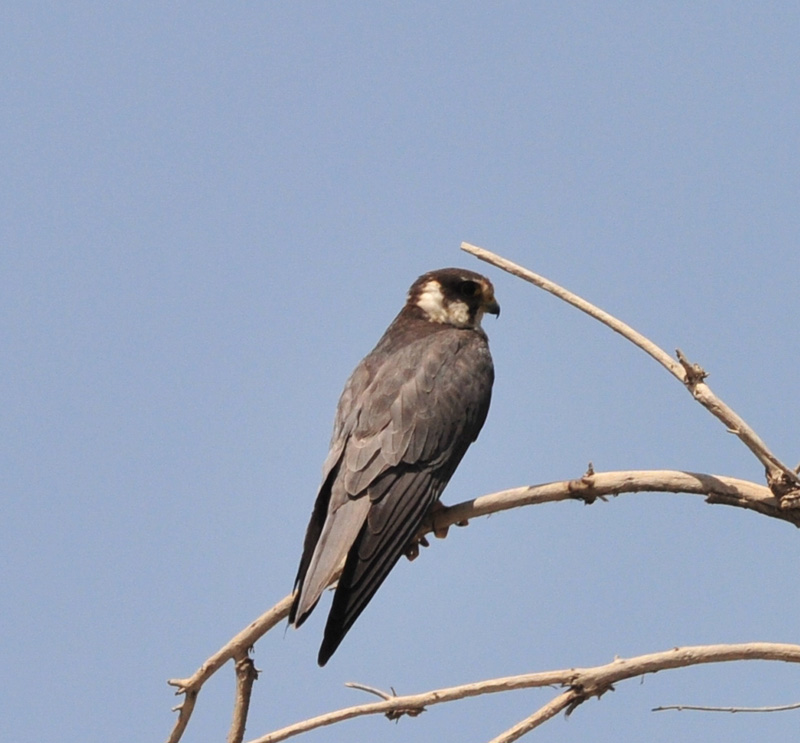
(454, 296)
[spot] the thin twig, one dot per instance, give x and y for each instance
(369, 689)
(782, 479)
(582, 683)
(696, 708)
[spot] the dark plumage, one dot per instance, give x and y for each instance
(406, 417)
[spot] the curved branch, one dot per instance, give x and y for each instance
(782, 479)
(715, 488)
(582, 683)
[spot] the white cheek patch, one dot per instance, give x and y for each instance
(458, 314)
(431, 301)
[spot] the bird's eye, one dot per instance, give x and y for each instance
(469, 288)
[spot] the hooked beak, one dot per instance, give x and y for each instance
(491, 306)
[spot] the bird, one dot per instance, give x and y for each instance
(406, 417)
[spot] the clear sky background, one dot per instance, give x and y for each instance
(210, 213)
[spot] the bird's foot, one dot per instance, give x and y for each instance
(440, 532)
(412, 549)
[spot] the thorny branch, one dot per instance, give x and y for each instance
(780, 500)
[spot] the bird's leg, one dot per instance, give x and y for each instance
(440, 532)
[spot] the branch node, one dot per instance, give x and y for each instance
(246, 669)
(790, 501)
(181, 685)
(392, 714)
(782, 487)
(396, 714)
(583, 692)
(584, 489)
(694, 372)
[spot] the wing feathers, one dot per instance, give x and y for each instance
(405, 420)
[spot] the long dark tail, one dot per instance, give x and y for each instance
(372, 558)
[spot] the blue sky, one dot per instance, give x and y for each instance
(210, 214)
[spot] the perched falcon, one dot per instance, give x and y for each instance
(405, 419)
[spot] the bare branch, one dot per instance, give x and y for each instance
(235, 647)
(563, 701)
(582, 683)
(416, 702)
(716, 489)
(781, 478)
(626, 331)
(246, 674)
(695, 708)
(184, 711)
(781, 500)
